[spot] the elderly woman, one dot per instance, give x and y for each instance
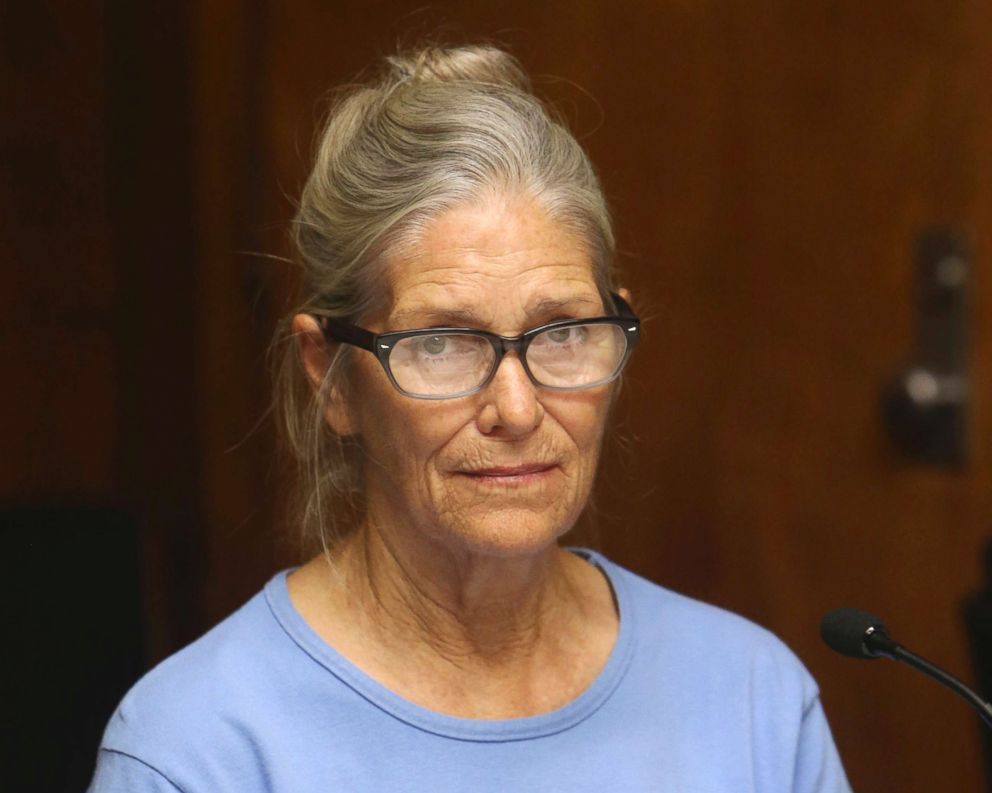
(451, 376)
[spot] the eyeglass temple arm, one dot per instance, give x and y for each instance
(346, 332)
(623, 308)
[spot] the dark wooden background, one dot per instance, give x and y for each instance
(769, 164)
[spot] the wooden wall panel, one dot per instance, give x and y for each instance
(56, 344)
(234, 309)
(149, 197)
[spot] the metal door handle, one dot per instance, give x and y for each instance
(925, 404)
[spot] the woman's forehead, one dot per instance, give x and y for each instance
(493, 261)
(483, 297)
(467, 308)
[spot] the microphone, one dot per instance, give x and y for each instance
(858, 634)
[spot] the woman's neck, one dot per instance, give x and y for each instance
(466, 608)
(481, 638)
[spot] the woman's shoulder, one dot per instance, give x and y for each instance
(196, 691)
(705, 639)
(702, 676)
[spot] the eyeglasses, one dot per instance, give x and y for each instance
(444, 363)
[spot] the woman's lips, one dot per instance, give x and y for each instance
(511, 475)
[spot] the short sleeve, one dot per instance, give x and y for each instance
(120, 773)
(818, 767)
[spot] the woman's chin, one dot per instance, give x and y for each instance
(507, 533)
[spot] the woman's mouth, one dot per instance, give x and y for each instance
(511, 474)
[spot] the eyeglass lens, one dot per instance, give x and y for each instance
(446, 364)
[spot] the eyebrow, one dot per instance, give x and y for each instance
(544, 308)
(443, 316)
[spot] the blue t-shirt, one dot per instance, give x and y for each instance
(692, 700)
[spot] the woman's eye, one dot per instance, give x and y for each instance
(561, 335)
(434, 345)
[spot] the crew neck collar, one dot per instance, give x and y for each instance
(527, 727)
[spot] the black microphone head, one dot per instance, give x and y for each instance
(844, 630)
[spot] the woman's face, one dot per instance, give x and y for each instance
(507, 470)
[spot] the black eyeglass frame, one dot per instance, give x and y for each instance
(381, 344)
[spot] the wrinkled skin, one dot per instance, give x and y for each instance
(506, 269)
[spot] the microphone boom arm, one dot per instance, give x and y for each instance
(878, 643)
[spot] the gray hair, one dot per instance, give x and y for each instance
(436, 129)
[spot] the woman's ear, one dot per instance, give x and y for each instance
(317, 360)
(625, 294)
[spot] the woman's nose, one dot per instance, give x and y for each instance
(510, 403)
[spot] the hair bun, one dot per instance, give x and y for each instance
(475, 64)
